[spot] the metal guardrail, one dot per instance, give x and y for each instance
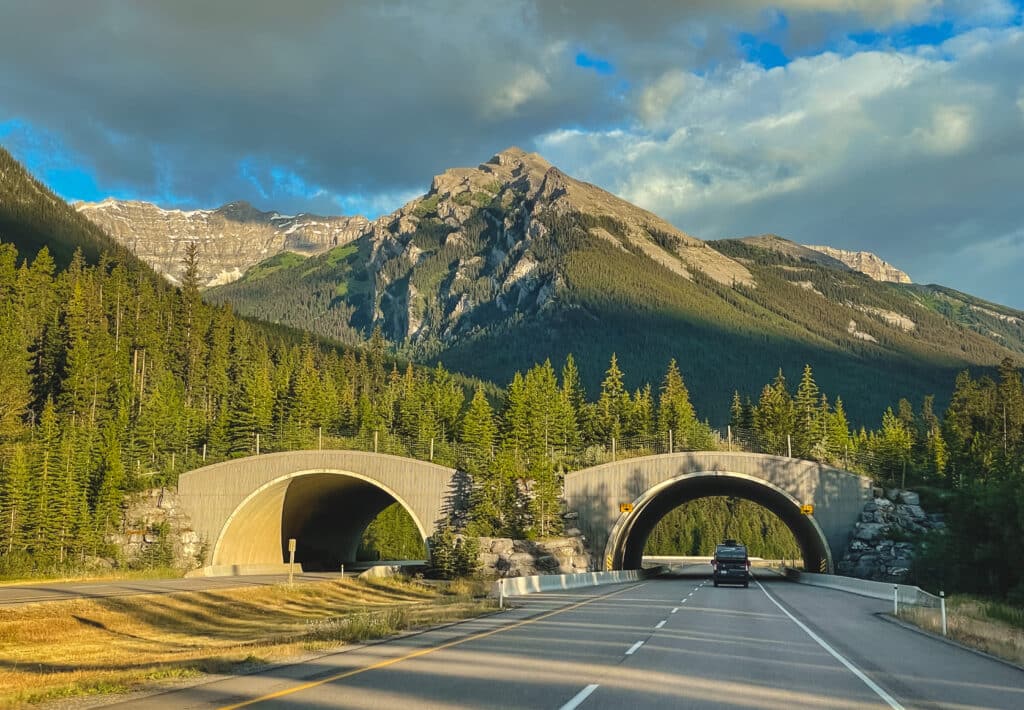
(515, 586)
(907, 601)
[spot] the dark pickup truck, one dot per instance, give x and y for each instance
(731, 564)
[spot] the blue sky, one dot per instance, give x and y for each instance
(893, 127)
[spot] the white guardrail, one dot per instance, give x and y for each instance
(901, 593)
(515, 586)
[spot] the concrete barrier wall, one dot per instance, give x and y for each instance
(907, 594)
(239, 570)
(514, 586)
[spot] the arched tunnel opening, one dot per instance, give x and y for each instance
(693, 529)
(326, 513)
(626, 546)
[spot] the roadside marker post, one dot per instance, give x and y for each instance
(895, 600)
(291, 559)
(501, 593)
(942, 605)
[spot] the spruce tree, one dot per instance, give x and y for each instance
(806, 431)
(15, 496)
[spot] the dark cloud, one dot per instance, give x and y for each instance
(327, 106)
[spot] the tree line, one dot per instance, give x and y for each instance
(111, 382)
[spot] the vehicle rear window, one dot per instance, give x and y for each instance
(725, 552)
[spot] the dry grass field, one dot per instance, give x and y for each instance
(988, 626)
(73, 648)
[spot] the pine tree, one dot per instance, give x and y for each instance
(572, 386)
(478, 438)
(774, 417)
(806, 431)
(676, 414)
(14, 500)
(612, 405)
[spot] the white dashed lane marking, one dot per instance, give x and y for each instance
(634, 647)
(579, 697)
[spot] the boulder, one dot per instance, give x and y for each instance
(488, 560)
(909, 498)
(869, 531)
(521, 564)
(866, 567)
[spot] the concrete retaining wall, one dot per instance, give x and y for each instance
(906, 593)
(238, 570)
(514, 586)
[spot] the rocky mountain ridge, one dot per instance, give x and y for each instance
(511, 262)
(866, 263)
(231, 238)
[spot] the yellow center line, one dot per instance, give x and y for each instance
(423, 651)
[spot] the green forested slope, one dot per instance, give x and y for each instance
(31, 216)
(869, 342)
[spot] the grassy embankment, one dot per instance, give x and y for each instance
(90, 575)
(989, 626)
(89, 647)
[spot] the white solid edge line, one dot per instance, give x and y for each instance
(579, 697)
(660, 624)
(634, 647)
(892, 702)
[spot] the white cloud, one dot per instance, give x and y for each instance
(901, 153)
(527, 84)
(950, 129)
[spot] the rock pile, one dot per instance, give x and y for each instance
(880, 549)
(505, 557)
(150, 515)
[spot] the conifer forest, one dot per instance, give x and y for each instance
(112, 381)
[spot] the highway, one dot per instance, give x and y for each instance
(668, 642)
(32, 592)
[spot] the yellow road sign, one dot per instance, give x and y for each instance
(807, 509)
(625, 507)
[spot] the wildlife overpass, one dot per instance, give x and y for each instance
(247, 509)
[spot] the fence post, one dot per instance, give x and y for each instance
(895, 600)
(204, 452)
(942, 605)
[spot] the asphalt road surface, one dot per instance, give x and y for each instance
(15, 594)
(674, 642)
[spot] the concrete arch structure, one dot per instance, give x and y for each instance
(652, 486)
(247, 509)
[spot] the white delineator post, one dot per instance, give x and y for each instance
(895, 600)
(942, 605)
(501, 593)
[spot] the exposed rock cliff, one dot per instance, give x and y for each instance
(231, 238)
(866, 263)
